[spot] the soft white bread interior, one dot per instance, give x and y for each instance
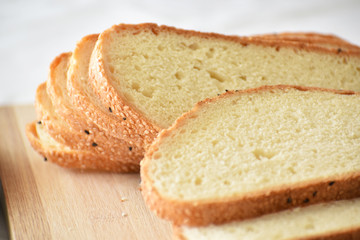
(64, 156)
(335, 220)
(152, 74)
(248, 153)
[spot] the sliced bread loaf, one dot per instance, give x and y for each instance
(253, 152)
(84, 99)
(84, 134)
(335, 220)
(62, 132)
(64, 156)
(152, 74)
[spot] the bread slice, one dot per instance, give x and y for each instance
(82, 96)
(152, 74)
(335, 220)
(87, 140)
(64, 156)
(253, 152)
(85, 100)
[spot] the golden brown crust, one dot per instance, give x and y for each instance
(64, 134)
(81, 133)
(327, 41)
(82, 96)
(345, 234)
(142, 131)
(197, 213)
(76, 159)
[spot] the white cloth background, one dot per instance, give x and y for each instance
(32, 33)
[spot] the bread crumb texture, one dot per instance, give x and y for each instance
(254, 141)
(164, 74)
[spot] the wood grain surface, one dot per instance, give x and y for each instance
(44, 201)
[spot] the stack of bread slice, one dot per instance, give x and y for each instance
(104, 104)
(117, 90)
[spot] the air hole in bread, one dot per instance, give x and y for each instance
(179, 75)
(243, 77)
(198, 181)
(291, 170)
(217, 76)
(137, 68)
(214, 142)
(194, 46)
(148, 92)
(135, 86)
(160, 47)
(261, 153)
(210, 53)
(226, 182)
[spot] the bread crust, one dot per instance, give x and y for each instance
(83, 99)
(82, 133)
(64, 134)
(199, 213)
(345, 234)
(327, 41)
(142, 131)
(76, 159)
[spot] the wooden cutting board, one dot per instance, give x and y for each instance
(44, 201)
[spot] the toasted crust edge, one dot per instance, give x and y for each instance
(76, 159)
(109, 123)
(115, 148)
(322, 40)
(199, 213)
(82, 142)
